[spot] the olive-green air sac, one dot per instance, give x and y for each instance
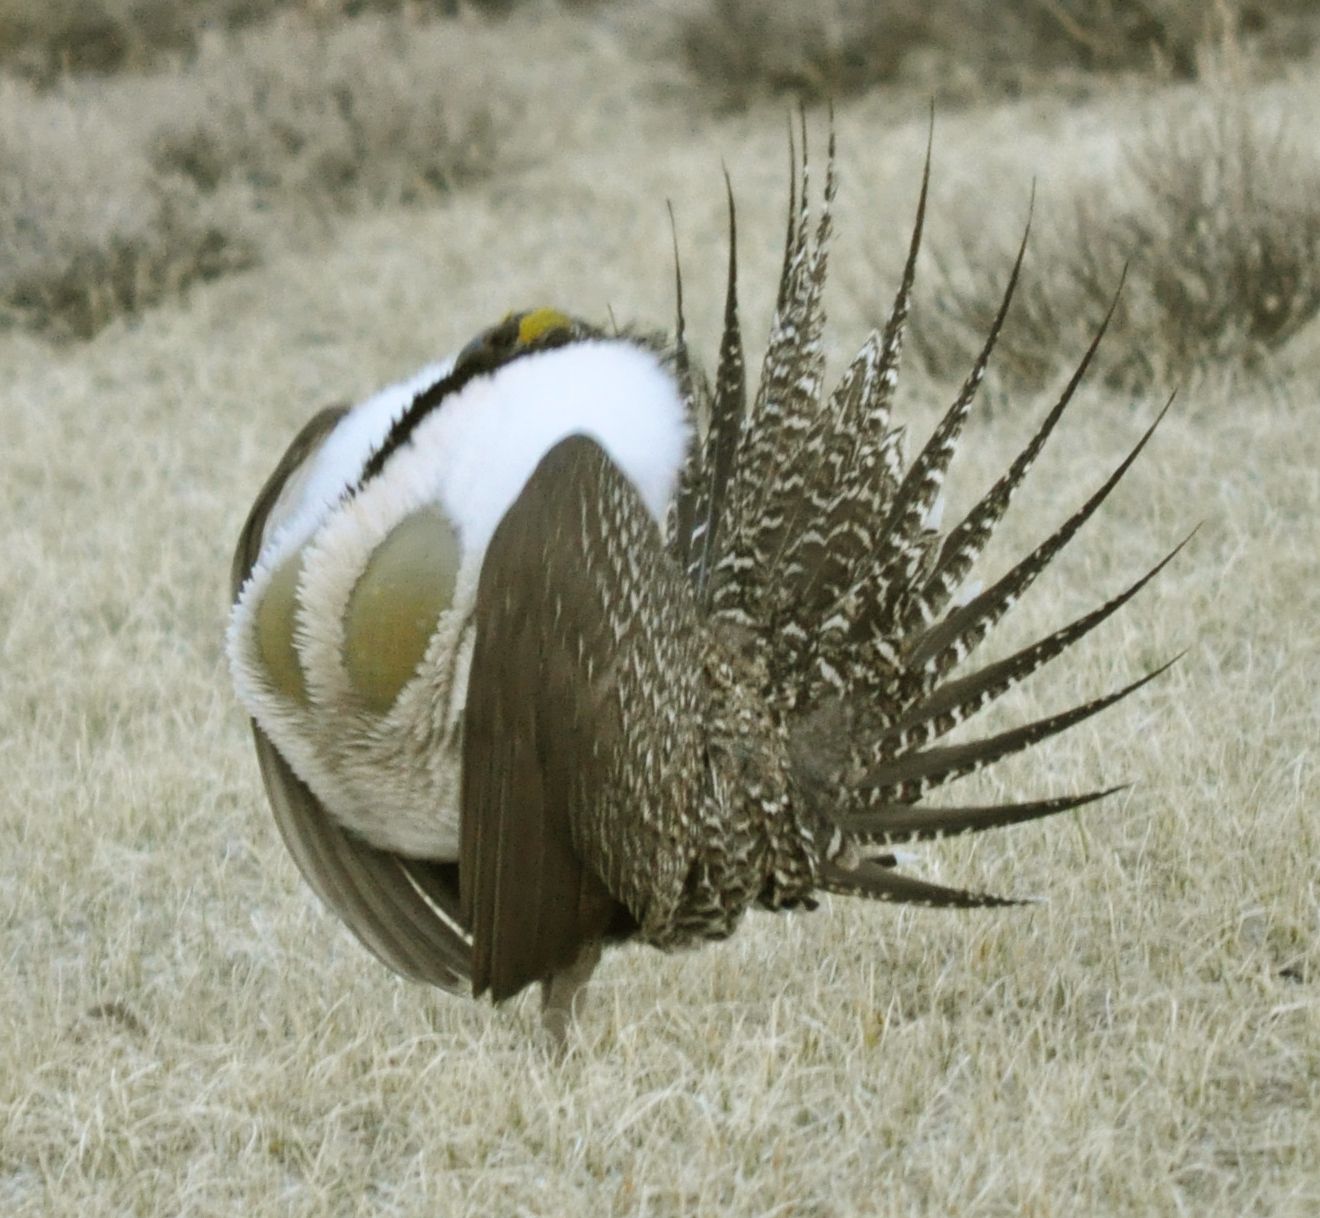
(392, 612)
(275, 619)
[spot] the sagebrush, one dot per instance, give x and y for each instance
(46, 39)
(1212, 224)
(182, 174)
(743, 49)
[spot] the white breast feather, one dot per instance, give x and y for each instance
(396, 779)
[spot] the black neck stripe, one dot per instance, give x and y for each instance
(481, 362)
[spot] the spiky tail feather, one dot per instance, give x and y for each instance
(799, 521)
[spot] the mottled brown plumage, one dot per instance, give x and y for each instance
(663, 729)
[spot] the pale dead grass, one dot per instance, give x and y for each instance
(183, 1030)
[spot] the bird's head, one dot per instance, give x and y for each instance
(520, 333)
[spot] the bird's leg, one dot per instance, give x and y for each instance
(561, 994)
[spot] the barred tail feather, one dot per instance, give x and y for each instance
(771, 447)
(790, 234)
(859, 450)
(879, 588)
(876, 882)
(891, 347)
(893, 824)
(726, 421)
(681, 522)
(949, 642)
(850, 465)
(955, 702)
(923, 484)
(907, 778)
(965, 543)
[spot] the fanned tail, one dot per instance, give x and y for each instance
(800, 522)
(851, 465)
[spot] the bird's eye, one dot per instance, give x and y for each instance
(275, 617)
(482, 351)
(395, 605)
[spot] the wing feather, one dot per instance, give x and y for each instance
(581, 726)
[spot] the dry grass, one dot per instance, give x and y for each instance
(190, 172)
(183, 1030)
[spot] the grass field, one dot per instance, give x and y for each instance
(183, 1030)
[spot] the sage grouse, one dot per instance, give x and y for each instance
(537, 664)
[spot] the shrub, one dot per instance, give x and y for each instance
(42, 39)
(1216, 215)
(89, 230)
(118, 193)
(815, 48)
(366, 112)
(742, 49)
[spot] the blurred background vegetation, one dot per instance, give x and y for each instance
(146, 144)
(737, 48)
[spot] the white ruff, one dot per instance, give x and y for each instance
(396, 778)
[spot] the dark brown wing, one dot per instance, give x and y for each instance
(405, 911)
(582, 724)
